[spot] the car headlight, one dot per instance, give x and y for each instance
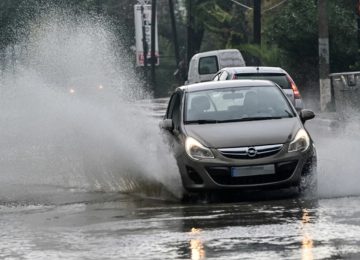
(196, 150)
(301, 142)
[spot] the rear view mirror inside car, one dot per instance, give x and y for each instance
(233, 96)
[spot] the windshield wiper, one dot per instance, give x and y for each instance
(202, 121)
(288, 112)
(250, 119)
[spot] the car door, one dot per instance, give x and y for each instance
(174, 112)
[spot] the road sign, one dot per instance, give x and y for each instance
(143, 35)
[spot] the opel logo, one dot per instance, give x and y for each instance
(251, 152)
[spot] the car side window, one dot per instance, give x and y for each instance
(208, 65)
(224, 75)
(174, 109)
(170, 106)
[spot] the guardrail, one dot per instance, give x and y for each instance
(346, 93)
(349, 80)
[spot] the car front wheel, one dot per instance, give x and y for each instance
(308, 183)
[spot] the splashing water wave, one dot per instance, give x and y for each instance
(68, 115)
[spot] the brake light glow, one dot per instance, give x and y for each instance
(294, 88)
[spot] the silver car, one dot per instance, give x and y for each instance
(239, 134)
(275, 74)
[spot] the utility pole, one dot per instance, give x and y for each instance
(358, 22)
(257, 22)
(173, 26)
(190, 31)
(257, 28)
(324, 59)
(153, 58)
(145, 45)
(98, 7)
(358, 32)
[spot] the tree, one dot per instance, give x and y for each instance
(223, 21)
(294, 29)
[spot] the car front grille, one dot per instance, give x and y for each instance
(251, 152)
(222, 175)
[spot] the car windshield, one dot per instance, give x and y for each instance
(278, 78)
(236, 104)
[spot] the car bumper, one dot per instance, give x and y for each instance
(216, 174)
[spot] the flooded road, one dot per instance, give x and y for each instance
(53, 222)
(115, 226)
(83, 171)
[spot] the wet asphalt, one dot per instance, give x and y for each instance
(118, 226)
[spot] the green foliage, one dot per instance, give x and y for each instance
(211, 11)
(269, 55)
(356, 65)
(294, 29)
(289, 31)
(224, 22)
(343, 36)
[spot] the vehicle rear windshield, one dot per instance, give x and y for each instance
(236, 104)
(278, 78)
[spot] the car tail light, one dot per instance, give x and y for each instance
(294, 88)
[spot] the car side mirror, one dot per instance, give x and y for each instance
(167, 124)
(306, 114)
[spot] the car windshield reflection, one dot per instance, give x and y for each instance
(235, 105)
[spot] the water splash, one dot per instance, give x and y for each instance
(68, 114)
(338, 146)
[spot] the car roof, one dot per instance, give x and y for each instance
(215, 52)
(250, 69)
(225, 84)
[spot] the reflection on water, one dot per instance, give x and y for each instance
(101, 226)
(196, 245)
(307, 242)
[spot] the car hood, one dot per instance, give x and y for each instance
(245, 133)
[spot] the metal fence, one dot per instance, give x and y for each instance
(346, 93)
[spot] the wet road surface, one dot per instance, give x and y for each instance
(115, 226)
